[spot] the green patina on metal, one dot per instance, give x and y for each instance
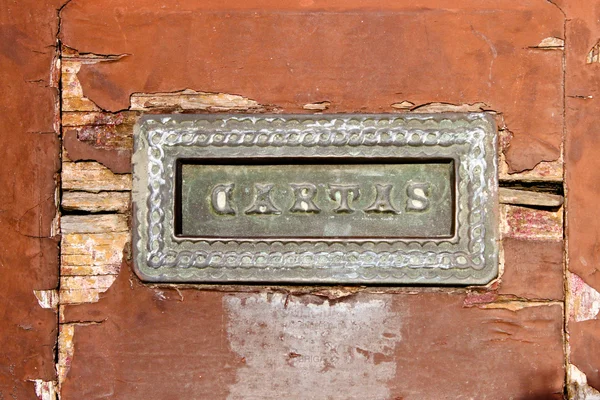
(382, 199)
(394, 200)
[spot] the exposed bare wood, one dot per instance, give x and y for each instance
(98, 118)
(403, 105)
(91, 176)
(72, 92)
(86, 282)
(193, 100)
(76, 296)
(92, 254)
(551, 43)
(65, 351)
(47, 298)
(544, 171)
(318, 106)
(529, 198)
(95, 223)
(446, 107)
(96, 202)
(84, 289)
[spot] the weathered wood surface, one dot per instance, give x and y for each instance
(91, 176)
(529, 198)
(583, 174)
(96, 223)
(92, 249)
(223, 336)
(96, 202)
(29, 154)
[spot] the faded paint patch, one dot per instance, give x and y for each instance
(330, 351)
(578, 387)
(531, 224)
(584, 300)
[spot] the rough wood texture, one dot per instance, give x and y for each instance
(72, 93)
(93, 177)
(99, 223)
(92, 248)
(65, 352)
(96, 202)
(92, 254)
(529, 198)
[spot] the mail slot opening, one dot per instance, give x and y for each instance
(315, 198)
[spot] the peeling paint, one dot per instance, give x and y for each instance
(71, 90)
(593, 55)
(92, 248)
(47, 298)
(447, 107)
(403, 105)
(45, 390)
(584, 300)
(188, 100)
(516, 305)
(89, 176)
(66, 351)
(96, 202)
(551, 43)
(318, 106)
(312, 350)
(335, 293)
(494, 301)
(547, 171)
(578, 387)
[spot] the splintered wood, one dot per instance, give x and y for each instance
(95, 201)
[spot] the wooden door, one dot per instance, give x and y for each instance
(80, 324)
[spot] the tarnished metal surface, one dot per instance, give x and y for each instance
(318, 200)
(325, 199)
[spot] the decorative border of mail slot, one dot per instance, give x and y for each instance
(470, 257)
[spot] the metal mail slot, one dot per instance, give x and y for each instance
(352, 199)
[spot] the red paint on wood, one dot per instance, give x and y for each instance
(29, 154)
(360, 58)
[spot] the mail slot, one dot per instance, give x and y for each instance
(381, 199)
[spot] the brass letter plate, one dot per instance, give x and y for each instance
(364, 199)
